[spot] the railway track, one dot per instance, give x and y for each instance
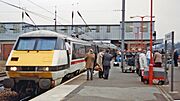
(9, 95)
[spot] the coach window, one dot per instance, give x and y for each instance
(73, 52)
(78, 51)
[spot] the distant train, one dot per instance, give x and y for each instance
(39, 60)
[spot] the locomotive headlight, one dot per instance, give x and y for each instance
(43, 69)
(46, 69)
(13, 68)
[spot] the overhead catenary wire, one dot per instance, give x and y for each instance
(45, 17)
(40, 6)
(46, 10)
(37, 14)
(31, 20)
(83, 20)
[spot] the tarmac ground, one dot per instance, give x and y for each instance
(119, 87)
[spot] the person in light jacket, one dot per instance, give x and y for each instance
(142, 60)
(148, 56)
(142, 63)
(89, 58)
(99, 62)
(157, 59)
(106, 63)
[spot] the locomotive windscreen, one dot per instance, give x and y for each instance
(36, 43)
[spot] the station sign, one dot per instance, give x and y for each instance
(168, 36)
(159, 41)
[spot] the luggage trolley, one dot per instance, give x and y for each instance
(158, 75)
(129, 63)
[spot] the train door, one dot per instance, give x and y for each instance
(68, 48)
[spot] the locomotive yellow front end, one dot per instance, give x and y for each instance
(37, 60)
(29, 62)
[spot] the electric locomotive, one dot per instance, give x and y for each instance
(39, 60)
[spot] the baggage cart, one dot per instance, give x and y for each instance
(158, 75)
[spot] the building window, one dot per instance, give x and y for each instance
(44, 28)
(86, 29)
(108, 29)
(65, 29)
(129, 27)
(76, 29)
(145, 27)
(16, 28)
(97, 28)
(2, 28)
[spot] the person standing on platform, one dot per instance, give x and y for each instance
(99, 62)
(67, 45)
(89, 58)
(148, 56)
(142, 60)
(106, 63)
(142, 63)
(68, 48)
(176, 55)
(157, 59)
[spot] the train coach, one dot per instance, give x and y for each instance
(39, 60)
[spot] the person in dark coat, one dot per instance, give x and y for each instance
(176, 55)
(106, 63)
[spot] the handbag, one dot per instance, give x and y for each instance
(97, 68)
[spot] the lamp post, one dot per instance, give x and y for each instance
(122, 35)
(151, 58)
(142, 27)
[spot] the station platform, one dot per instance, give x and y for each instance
(119, 87)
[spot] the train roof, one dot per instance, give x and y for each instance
(46, 33)
(42, 33)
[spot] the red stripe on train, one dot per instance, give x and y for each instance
(77, 61)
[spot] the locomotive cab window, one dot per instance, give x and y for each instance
(25, 44)
(46, 44)
(36, 44)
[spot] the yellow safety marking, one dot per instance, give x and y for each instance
(32, 58)
(13, 74)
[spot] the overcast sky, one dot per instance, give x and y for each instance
(166, 12)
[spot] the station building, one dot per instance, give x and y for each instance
(135, 37)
